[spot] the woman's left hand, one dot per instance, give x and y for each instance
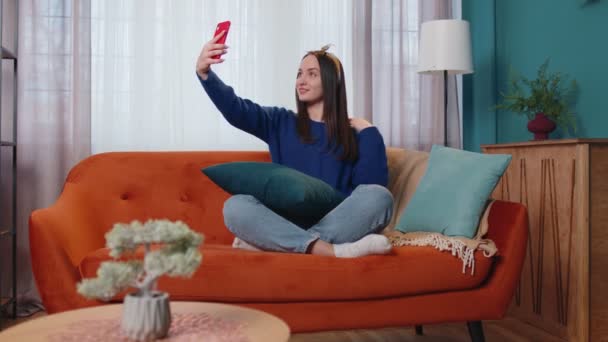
(359, 124)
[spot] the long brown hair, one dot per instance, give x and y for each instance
(335, 113)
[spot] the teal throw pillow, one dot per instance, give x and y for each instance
(288, 192)
(453, 192)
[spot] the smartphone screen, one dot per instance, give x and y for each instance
(223, 26)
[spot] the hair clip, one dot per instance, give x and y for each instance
(324, 48)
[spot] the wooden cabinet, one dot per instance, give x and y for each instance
(564, 185)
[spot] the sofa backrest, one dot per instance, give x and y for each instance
(124, 186)
(405, 169)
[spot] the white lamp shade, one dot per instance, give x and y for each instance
(445, 45)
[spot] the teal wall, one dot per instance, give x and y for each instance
(522, 34)
(479, 88)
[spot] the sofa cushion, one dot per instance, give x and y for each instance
(234, 275)
(453, 192)
(290, 193)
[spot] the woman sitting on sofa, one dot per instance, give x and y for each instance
(320, 141)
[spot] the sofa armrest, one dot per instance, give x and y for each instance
(508, 228)
(60, 236)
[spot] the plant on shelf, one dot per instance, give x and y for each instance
(170, 248)
(545, 100)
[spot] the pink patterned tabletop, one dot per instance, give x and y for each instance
(184, 327)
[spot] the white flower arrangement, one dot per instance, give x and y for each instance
(179, 256)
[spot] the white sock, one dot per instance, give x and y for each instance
(238, 243)
(369, 244)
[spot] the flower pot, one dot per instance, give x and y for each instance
(541, 126)
(146, 318)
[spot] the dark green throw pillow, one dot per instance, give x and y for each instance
(286, 191)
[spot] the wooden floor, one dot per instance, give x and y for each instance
(499, 331)
(495, 331)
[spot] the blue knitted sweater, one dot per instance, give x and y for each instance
(277, 127)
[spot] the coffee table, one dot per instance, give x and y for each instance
(190, 321)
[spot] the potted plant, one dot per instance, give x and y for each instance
(545, 100)
(170, 248)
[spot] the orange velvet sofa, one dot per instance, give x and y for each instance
(409, 286)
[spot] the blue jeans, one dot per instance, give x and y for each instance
(367, 210)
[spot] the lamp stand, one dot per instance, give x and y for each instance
(445, 108)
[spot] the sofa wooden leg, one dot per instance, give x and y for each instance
(476, 331)
(419, 330)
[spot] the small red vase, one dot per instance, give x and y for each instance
(541, 126)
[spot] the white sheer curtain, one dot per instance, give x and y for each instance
(145, 92)
(146, 95)
(53, 130)
(406, 107)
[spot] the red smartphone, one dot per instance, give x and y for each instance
(223, 26)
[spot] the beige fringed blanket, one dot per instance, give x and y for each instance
(463, 248)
